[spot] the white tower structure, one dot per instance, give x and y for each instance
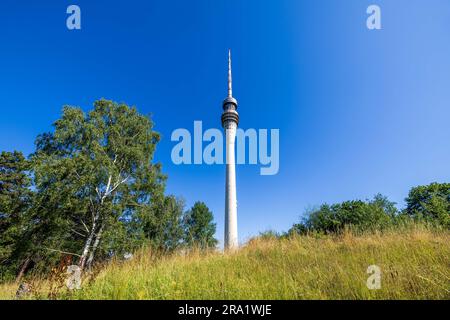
(230, 120)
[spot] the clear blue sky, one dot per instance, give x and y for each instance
(359, 111)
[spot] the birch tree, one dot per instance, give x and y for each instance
(93, 173)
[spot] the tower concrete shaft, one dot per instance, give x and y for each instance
(230, 120)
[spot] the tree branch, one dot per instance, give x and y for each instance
(65, 252)
(118, 184)
(78, 233)
(87, 229)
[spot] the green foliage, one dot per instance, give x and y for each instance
(92, 175)
(430, 203)
(296, 229)
(15, 200)
(376, 214)
(199, 227)
(162, 222)
(267, 235)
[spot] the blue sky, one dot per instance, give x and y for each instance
(359, 111)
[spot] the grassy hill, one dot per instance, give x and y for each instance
(415, 264)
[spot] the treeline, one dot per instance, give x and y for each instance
(425, 204)
(89, 192)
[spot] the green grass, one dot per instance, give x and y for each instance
(415, 264)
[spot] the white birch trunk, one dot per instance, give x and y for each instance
(94, 247)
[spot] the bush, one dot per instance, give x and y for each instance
(430, 203)
(376, 214)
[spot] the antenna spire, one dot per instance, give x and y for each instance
(230, 90)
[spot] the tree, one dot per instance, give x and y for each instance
(199, 227)
(364, 215)
(161, 223)
(296, 229)
(15, 199)
(93, 174)
(430, 202)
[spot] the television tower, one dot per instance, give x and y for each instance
(230, 120)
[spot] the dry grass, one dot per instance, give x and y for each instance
(415, 264)
(7, 291)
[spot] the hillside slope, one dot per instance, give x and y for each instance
(414, 264)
